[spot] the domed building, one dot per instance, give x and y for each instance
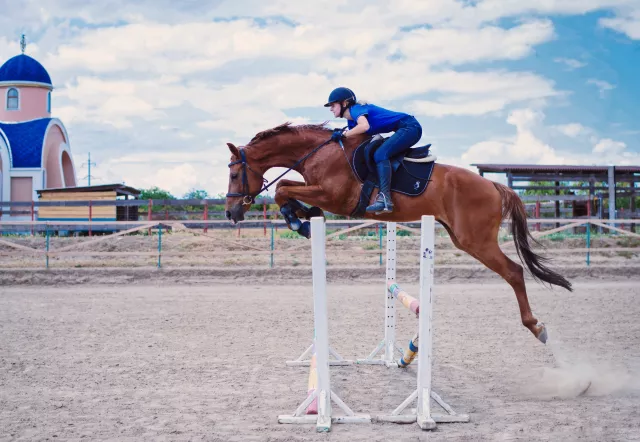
(34, 148)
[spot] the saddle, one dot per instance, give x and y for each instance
(411, 170)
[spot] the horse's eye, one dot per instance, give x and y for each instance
(234, 175)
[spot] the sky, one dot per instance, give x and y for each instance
(154, 89)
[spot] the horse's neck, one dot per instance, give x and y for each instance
(285, 151)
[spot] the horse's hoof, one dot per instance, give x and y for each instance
(585, 389)
(314, 211)
(542, 335)
(305, 230)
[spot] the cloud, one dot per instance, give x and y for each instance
(153, 89)
(527, 147)
(571, 63)
(607, 145)
(572, 130)
(482, 93)
(524, 147)
(626, 23)
(602, 86)
(456, 46)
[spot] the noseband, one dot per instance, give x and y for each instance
(247, 197)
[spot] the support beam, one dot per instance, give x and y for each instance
(612, 192)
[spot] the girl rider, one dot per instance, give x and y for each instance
(372, 120)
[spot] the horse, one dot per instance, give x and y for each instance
(470, 207)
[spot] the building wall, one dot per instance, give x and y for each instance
(52, 156)
(5, 178)
(32, 105)
(68, 170)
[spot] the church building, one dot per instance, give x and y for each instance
(34, 147)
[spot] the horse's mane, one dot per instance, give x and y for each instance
(287, 127)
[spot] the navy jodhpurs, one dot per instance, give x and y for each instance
(407, 133)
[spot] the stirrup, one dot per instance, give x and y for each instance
(387, 205)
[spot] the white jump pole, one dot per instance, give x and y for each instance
(423, 393)
(317, 243)
(388, 343)
(323, 392)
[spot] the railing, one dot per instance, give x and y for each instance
(237, 247)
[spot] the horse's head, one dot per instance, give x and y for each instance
(282, 146)
(245, 183)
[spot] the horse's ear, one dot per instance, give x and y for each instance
(234, 150)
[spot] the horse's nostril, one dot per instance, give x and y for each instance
(228, 214)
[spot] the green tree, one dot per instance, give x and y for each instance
(155, 193)
(196, 194)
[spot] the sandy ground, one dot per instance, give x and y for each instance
(207, 362)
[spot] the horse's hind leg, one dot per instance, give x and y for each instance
(488, 252)
(494, 258)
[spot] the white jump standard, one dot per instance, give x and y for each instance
(422, 414)
(322, 393)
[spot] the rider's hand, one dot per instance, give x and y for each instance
(337, 135)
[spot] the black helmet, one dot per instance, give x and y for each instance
(340, 94)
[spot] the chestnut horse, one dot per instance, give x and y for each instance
(470, 207)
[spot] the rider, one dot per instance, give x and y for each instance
(372, 120)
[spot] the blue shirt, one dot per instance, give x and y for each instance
(380, 120)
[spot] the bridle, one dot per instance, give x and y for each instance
(247, 197)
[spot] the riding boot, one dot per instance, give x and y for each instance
(383, 203)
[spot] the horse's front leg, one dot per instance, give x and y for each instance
(287, 196)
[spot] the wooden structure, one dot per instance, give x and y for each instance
(79, 203)
(567, 182)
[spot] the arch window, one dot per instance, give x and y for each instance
(13, 99)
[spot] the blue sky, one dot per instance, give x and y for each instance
(154, 89)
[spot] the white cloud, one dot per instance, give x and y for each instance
(572, 130)
(524, 147)
(626, 23)
(481, 93)
(607, 145)
(603, 86)
(456, 46)
(571, 63)
(171, 82)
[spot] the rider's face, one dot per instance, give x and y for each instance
(335, 109)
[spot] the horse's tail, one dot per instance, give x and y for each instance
(512, 206)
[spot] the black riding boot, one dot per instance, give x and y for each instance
(383, 203)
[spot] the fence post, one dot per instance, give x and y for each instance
(149, 215)
(206, 216)
(264, 215)
(588, 243)
(159, 245)
(32, 220)
(47, 247)
(272, 243)
(90, 217)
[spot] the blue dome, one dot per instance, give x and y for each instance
(23, 68)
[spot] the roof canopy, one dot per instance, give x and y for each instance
(23, 69)
(120, 189)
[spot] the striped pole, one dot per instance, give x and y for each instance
(407, 300)
(313, 382)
